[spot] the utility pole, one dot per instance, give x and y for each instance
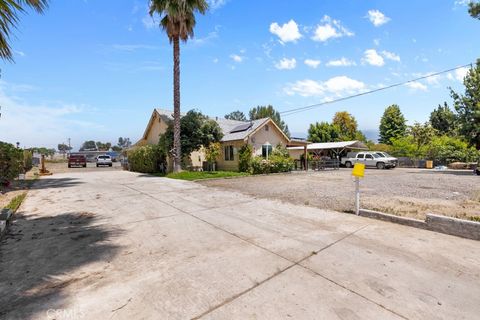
(69, 147)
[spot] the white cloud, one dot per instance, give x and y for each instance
(373, 58)
(42, 124)
(342, 62)
(237, 58)
(330, 28)
(461, 73)
(20, 53)
(211, 35)
(286, 64)
(337, 86)
(149, 22)
(376, 42)
(417, 86)
(391, 56)
(287, 32)
(216, 4)
(215, 60)
(377, 18)
(312, 63)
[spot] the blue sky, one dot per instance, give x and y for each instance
(96, 69)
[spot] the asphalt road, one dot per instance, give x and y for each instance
(119, 245)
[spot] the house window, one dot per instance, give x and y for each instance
(266, 148)
(228, 152)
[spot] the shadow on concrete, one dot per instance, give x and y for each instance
(46, 183)
(451, 172)
(39, 257)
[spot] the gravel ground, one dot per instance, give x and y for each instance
(406, 192)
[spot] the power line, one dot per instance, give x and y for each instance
(302, 109)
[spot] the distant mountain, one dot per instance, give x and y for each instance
(372, 134)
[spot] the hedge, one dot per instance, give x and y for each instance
(146, 159)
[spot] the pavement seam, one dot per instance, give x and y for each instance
(294, 263)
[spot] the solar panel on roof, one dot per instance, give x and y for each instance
(242, 127)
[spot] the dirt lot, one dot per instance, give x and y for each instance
(406, 192)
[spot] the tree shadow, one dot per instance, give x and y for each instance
(47, 183)
(39, 258)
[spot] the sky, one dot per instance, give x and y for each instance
(94, 70)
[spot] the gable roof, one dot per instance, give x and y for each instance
(226, 125)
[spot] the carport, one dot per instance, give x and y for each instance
(335, 149)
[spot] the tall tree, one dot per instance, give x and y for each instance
(443, 119)
(323, 132)
(422, 135)
(474, 9)
(178, 21)
(346, 124)
(9, 10)
(62, 148)
(269, 112)
(236, 115)
(88, 145)
(468, 106)
(392, 124)
(124, 143)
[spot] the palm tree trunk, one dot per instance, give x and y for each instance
(176, 106)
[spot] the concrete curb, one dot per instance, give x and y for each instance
(433, 222)
(5, 216)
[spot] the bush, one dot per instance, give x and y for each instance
(245, 158)
(11, 161)
(445, 150)
(146, 159)
(279, 161)
(27, 160)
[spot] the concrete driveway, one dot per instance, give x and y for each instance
(119, 245)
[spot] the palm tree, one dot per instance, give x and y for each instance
(178, 21)
(9, 10)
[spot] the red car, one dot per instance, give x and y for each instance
(77, 160)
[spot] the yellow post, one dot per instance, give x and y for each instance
(358, 172)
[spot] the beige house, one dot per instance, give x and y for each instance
(262, 135)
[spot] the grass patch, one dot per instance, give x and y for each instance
(475, 218)
(200, 175)
(16, 202)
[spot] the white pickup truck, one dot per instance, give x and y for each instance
(370, 159)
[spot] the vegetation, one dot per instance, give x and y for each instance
(11, 162)
(197, 130)
(88, 145)
(62, 148)
(200, 175)
(443, 119)
(344, 127)
(236, 115)
(27, 160)
(178, 21)
(392, 124)
(278, 161)
(9, 18)
(124, 143)
(467, 106)
(212, 152)
(269, 112)
(245, 158)
(146, 159)
(474, 9)
(15, 203)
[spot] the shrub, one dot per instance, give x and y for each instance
(10, 162)
(27, 160)
(278, 161)
(212, 152)
(146, 159)
(245, 158)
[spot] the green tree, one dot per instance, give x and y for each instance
(269, 112)
(9, 11)
(88, 145)
(323, 132)
(236, 115)
(197, 130)
(422, 135)
(212, 152)
(63, 148)
(392, 124)
(474, 9)
(346, 124)
(443, 119)
(468, 106)
(178, 21)
(124, 143)
(103, 146)
(11, 162)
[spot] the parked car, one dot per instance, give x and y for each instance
(388, 157)
(104, 160)
(369, 158)
(77, 160)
